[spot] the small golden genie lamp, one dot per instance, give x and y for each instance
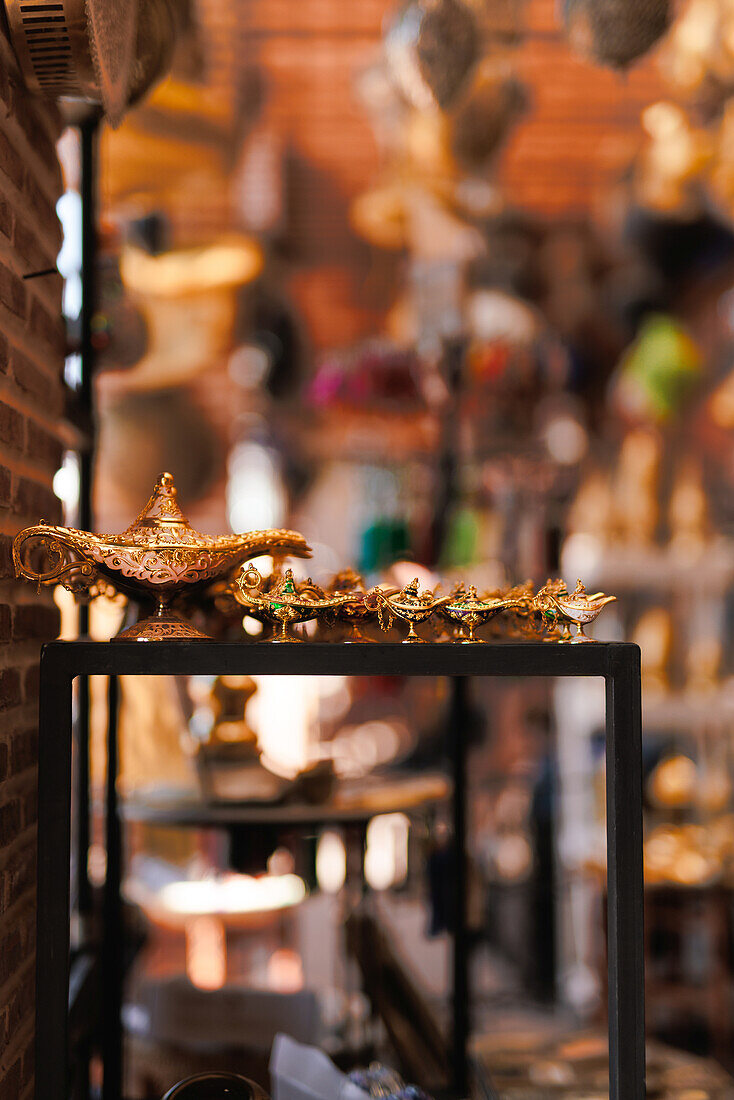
(159, 557)
(521, 621)
(286, 602)
(561, 608)
(409, 604)
(362, 606)
(469, 611)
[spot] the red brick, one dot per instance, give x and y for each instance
(6, 79)
(11, 164)
(47, 328)
(25, 111)
(20, 1004)
(11, 955)
(30, 807)
(31, 678)
(12, 1082)
(11, 815)
(5, 622)
(6, 219)
(43, 447)
(23, 750)
(29, 1070)
(42, 212)
(12, 292)
(35, 501)
(14, 952)
(12, 427)
(6, 487)
(7, 569)
(20, 878)
(29, 1065)
(10, 694)
(35, 621)
(4, 355)
(35, 382)
(34, 256)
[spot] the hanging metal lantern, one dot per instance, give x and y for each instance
(106, 52)
(481, 121)
(616, 32)
(431, 48)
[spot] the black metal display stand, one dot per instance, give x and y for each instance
(61, 662)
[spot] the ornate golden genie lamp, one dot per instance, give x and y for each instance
(286, 602)
(468, 611)
(561, 608)
(362, 605)
(411, 605)
(158, 557)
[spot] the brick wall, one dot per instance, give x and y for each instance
(31, 359)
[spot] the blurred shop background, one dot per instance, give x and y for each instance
(447, 286)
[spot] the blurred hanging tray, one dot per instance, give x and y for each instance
(353, 801)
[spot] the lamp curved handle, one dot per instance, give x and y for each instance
(247, 588)
(69, 566)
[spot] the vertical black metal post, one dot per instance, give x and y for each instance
(461, 991)
(112, 935)
(81, 790)
(625, 888)
(88, 132)
(52, 901)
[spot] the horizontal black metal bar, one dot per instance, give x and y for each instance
(181, 658)
(217, 815)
